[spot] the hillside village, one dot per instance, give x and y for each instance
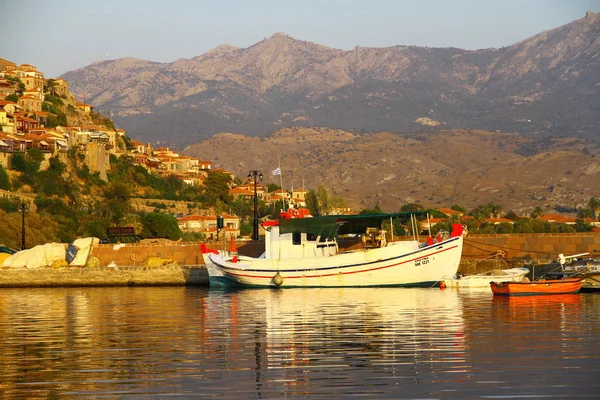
(27, 121)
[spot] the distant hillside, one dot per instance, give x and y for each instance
(546, 85)
(436, 169)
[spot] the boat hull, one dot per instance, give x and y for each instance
(394, 265)
(535, 288)
(591, 282)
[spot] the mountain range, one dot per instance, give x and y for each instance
(517, 126)
(547, 85)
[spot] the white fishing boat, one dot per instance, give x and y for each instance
(305, 252)
(483, 280)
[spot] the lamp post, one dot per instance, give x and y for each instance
(23, 209)
(254, 174)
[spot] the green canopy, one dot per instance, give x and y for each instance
(330, 226)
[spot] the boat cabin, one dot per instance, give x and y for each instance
(296, 244)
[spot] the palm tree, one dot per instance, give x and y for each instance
(537, 212)
(594, 205)
(495, 210)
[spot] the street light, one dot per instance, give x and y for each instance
(254, 174)
(23, 209)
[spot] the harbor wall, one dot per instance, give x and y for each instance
(536, 251)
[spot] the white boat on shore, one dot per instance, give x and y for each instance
(483, 280)
(304, 252)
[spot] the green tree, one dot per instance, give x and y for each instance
(271, 187)
(20, 85)
(52, 181)
(13, 97)
(375, 210)
(246, 228)
(459, 208)
(511, 215)
(49, 86)
(411, 207)
(523, 226)
(495, 210)
(117, 202)
(118, 191)
(594, 205)
(434, 213)
(216, 187)
(28, 164)
(582, 226)
(157, 224)
(60, 119)
(312, 203)
(323, 199)
(9, 204)
(4, 179)
(66, 216)
(537, 212)
(242, 207)
(337, 202)
(481, 212)
(585, 213)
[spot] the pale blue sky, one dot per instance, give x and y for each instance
(62, 35)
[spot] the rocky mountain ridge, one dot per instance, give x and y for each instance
(435, 168)
(545, 85)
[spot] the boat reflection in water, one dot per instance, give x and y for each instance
(309, 334)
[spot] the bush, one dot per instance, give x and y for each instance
(4, 179)
(10, 204)
(160, 225)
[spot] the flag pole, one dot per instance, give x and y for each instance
(281, 181)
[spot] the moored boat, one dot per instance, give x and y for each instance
(304, 252)
(583, 265)
(538, 287)
(483, 280)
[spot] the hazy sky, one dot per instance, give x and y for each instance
(62, 35)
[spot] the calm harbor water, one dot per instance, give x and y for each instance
(318, 343)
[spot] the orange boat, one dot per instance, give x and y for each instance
(549, 286)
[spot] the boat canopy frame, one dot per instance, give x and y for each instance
(331, 226)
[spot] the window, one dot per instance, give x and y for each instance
(296, 238)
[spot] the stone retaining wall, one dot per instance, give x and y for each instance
(133, 254)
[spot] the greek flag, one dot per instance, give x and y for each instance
(277, 171)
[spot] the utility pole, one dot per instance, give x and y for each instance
(23, 209)
(254, 174)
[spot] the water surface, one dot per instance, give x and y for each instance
(319, 343)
